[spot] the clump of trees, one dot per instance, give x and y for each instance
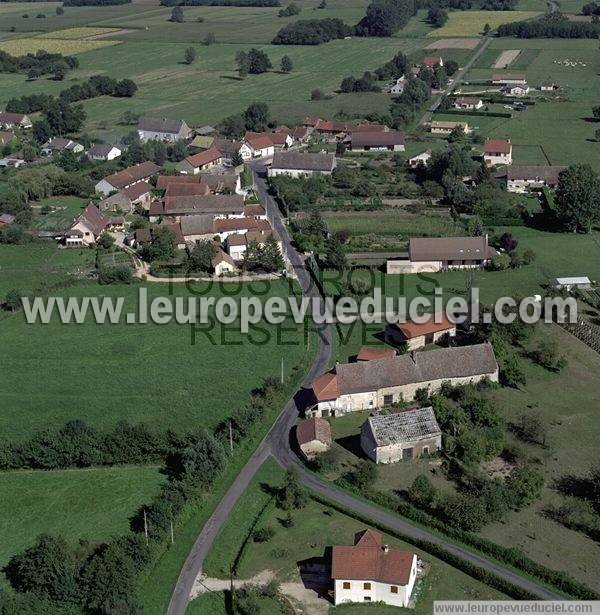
(437, 16)
(577, 198)
(552, 25)
(312, 32)
(385, 17)
(263, 257)
(255, 118)
(254, 62)
(290, 10)
(41, 63)
(258, 3)
(367, 83)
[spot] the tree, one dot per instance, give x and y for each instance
(177, 14)
(340, 148)
(60, 10)
(290, 10)
(507, 242)
(41, 130)
(365, 474)
(60, 72)
(210, 39)
(317, 94)
(465, 511)
(286, 64)
(162, 246)
(596, 112)
(29, 153)
(237, 160)
(203, 460)
(422, 492)
(500, 262)
(160, 153)
(190, 55)
(546, 354)
(243, 63)
(531, 428)
(263, 534)
(105, 241)
(257, 117)
(125, 88)
(597, 135)
(525, 484)
(486, 29)
(578, 197)
(512, 373)
(292, 496)
(335, 256)
(201, 256)
(258, 62)
(12, 301)
(456, 135)
(450, 66)
(437, 17)
(272, 260)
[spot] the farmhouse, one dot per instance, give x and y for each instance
(568, 284)
(422, 158)
(257, 147)
(442, 127)
(431, 254)
(532, 177)
(222, 183)
(192, 165)
(468, 103)
(497, 151)
(432, 61)
(370, 571)
(215, 204)
(280, 139)
(516, 90)
(58, 145)
(102, 151)
(127, 177)
(6, 137)
(373, 353)
(92, 223)
(297, 164)
(367, 385)
(128, 198)
(417, 335)
(313, 436)
(392, 141)
(508, 79)
(223, 263)
(14, 120)
(397, 87)
(162, 129)
(398, 436)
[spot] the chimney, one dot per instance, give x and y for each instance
(386, 548)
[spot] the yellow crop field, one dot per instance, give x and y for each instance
(77, 33)
(23, 46)
(471, 23)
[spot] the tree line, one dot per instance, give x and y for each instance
(94, 2)
(312, 32)
(256, 3)
(554, 25)
(42, 62)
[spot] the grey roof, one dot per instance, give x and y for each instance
(376, 139)
(449, 248)
(546, 173)
(205, 130)
(406, 426)
(211, 203)
(304, 162)
(426, 366)
(197, 225)
(217, 182)
(101, 149)
(160, 124)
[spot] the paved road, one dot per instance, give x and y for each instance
(458, 79)
(278, 432)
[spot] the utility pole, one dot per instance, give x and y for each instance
(172, 537)
(281, 370)
(145, 527)
(230, 437)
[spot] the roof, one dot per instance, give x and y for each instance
(101, 149)
(447, 124)
(262, 141)
(508, 77)
(210, 203)
(222, 256)
(7, 218)
(574, 280)
(130, 175)
(12, 118)
(186, 189)
(432, 60)
(93, 218)
(160, 124)
(374, 139)
(143, 235)
(162, 181)
(205, 130)
(227, 147)
(426, 153)
(547, 173)
(202, 158)
(254, 210)
(467, 100)
(223, 225)
(203, 141)
(236, 239)
(369, 560)
(413, 368)
(218, 182)
(370, 353)
(313, 429)
(497, 146)
(59, 144)
(406, 426)
(137, 190)
(449, 248)
(300, 132)
(304, 162)
(197, 225)
(175, 228)
(413, 329)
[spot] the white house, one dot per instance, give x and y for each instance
(58, 145)
(443, 127)
(468, 103)
(257, 147)
(370, 571)
(15, 120)
(400, 436)
(127, 177)
(298, 164)
(367, 385)
(397, 87)
(422, 158)
(497, 151)
(91, 224)
(508, 79)
(524, 178)
(162, 129)
(516, 90)
(103, 151)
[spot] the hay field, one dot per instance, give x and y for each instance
(72, 34)
(471, 23)
(31, 44)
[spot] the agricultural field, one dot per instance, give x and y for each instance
(471, 23)
(93, 504)
(315, 527)
(155, 374)
(52, 44)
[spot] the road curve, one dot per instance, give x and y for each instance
(278, 432)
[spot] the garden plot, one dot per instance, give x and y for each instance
(506, 58)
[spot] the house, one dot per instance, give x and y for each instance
(14, 120)
(103, 151)
(370, 571)
(516, 90)
(313, 436)
(91, 223)
(367, 385)
(203, 142)
(224, 205)
(127, 177)
(508, 79)
(72, 238)
(468, 103)
(299, 164)
(198, 227)
(397, 87)
(431, 254)
(6, 219)
(416, 335)
(548, 86)
(237, 243)
(223, 183)
(162, 129)
(223, 263)
(442, 127)
(57, 145)
(257, 147)
(301, 134)
(228, 148)
(6, 137)
(420, 159)
(497, 151)
(568, 284)
(432, 61)
(524, 178)
(192, 165)
(392, 141)
(280, 139)
(398, 436)
(128, 198)
(374, 353)
(187, 188)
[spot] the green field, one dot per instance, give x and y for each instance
(471, 23)
(315, 527)
(92, 504)
(141, 373)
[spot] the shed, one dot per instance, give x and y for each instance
(313, 436)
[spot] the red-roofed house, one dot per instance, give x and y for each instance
(92, 223)
(259, 146)
(192, 165)
(12, 120)
(416, 335)
(370, 571)
(373, 353)
(433, 61)
(127, 177)
(497, 151)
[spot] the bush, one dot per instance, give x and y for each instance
(263, 534)
(117, 274)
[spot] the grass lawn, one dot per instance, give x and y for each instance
(471, 23)
(142, 373)
(315, 527)
(92, 504)
(67, 208)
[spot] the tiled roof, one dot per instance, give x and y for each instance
(304, 162)
(449, 248)
(370, 353)
(412, 329)
(313, 429)
(203, 158)
(497, 146)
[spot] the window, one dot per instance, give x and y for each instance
(366, 586)
(425, 450)
(346, 585)
(367, 598)
(388, 399)
(394, 589)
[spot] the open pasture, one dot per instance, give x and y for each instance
(471, 23)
